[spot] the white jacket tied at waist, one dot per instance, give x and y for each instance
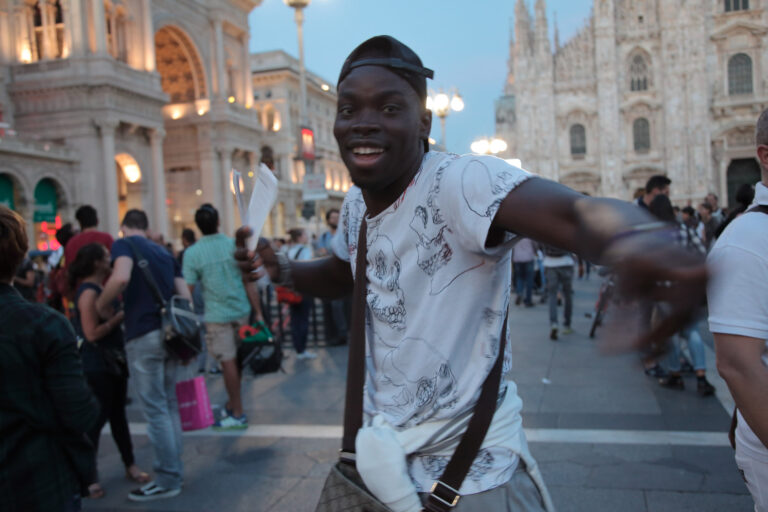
(382, 450)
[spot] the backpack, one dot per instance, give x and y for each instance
(258, 349)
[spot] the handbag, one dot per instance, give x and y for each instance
(194, 405)
(287, 295)
(344, 490)
(258, 349)
(180, 324)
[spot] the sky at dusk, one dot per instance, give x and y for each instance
(466, 43)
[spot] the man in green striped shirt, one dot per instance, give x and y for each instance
(228, 303)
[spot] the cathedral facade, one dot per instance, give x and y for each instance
(644, 87)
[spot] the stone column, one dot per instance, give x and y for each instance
(160, 212)
(149, 36)
(25, 47)
(247, 77)
(209, 182)
(108, 171)
(219, 78)
(6, 39)
(73, 28)
(99, 26)
(48, 18)
(227, 210)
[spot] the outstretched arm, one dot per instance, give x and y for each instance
(609, 232)
(328, 277)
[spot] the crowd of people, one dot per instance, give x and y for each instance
(424, 241)
(111, 317)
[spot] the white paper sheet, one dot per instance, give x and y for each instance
(263, 198)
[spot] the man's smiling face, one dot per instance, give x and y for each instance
(381, 125)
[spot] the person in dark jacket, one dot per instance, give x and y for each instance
(46, 409)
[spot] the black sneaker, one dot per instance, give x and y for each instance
(553, 332)
(672, 382)
(151, 492)
(704, 388)
(656, 371)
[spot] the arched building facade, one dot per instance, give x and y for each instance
(644, 87)
(126, 103)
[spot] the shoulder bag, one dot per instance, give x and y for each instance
(180, 324)
(344, 490)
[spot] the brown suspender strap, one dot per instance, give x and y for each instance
(445, 492)
(353, 402)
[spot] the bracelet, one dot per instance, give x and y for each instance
(284, 275)
(639, 229)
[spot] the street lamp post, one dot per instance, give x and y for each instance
(298, 6)
(442, 104)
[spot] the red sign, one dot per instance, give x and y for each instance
(307, 144)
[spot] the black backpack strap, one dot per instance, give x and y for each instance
(761, 208)
(143, 264)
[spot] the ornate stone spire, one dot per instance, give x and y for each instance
(542, 29)
(522, 28)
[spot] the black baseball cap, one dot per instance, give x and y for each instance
(388, 52)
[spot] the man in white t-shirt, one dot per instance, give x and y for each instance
(738, 318)
(438, 271)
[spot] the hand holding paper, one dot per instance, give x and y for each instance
(262, 199)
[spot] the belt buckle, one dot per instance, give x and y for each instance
(451, 502)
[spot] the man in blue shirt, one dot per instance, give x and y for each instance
(154, 372)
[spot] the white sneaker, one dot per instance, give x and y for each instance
(151, 492)
(307, 354)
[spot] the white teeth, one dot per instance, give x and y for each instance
(367, 151)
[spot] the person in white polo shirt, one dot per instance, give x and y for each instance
(738, 318)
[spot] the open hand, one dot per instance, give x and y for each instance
(651, 269)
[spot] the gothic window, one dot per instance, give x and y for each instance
(578, 136)
(740, 74)
(641, 135)
(736, 5)
(638, 74)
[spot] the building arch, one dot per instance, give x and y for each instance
(180, 66)
(18, 197)
(583, 181)
(129, 183)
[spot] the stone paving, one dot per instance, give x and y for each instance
(568, 389)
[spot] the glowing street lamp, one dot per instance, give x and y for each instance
(488, 146)
(442, 104)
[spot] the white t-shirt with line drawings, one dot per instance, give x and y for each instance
(436, 299)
